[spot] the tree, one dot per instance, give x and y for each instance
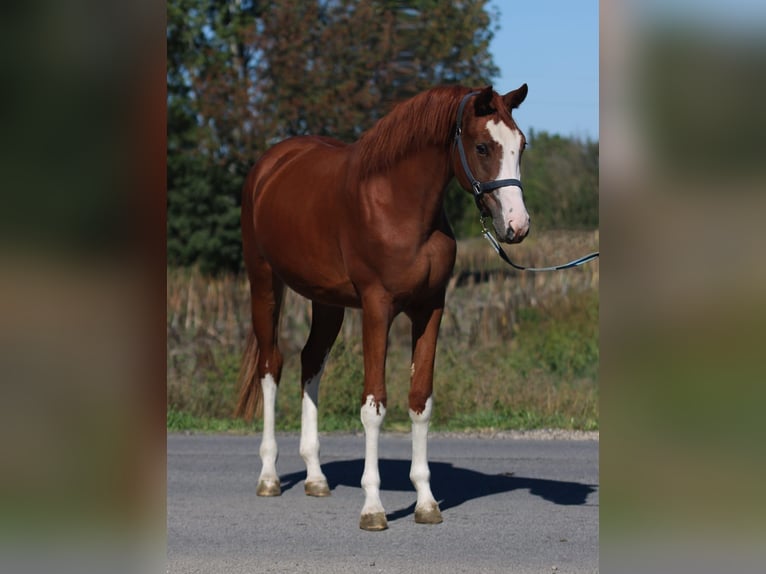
(244, 74)
(214, 126)
(560, 178)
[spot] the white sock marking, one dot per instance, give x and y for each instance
(309, 446)
(269, 451)
(372, 416)
(419, 472)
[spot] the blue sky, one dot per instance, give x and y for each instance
(552, 45)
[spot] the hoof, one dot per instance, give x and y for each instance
(428, 514)
(268, 488)
(373, 522)
(317, 488)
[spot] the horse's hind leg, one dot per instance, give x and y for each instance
(425, 329)
(325, 325)
(266, 292)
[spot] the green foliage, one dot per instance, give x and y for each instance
(561, 181)
(208, 388)
(562, 339)
(203, 223)
(343, 397)
(461, 211)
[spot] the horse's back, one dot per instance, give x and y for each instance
(295, 150)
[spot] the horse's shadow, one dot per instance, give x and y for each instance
(451, 485)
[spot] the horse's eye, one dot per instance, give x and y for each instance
(481, 149)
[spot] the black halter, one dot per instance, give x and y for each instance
(479, 188)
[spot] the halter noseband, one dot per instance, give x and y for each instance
(479, 188)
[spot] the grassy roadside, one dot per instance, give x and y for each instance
(515, 352)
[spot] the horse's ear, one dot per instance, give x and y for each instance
(513, 99)
(483, 102)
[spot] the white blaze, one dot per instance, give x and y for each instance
(512, 209)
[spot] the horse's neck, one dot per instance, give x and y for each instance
(419, 180)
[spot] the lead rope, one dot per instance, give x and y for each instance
(493, 242)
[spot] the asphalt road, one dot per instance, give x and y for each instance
(509, 505)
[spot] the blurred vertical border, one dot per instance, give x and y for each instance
(683, 306)
(82, 288)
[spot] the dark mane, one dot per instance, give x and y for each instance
(425, 119)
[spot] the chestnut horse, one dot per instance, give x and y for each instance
(363, 225)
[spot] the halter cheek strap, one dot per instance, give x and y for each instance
(480, 188)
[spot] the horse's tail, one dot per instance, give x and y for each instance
(250, 401)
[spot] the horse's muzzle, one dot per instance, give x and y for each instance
(517, 233)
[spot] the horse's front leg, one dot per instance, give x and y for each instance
(376, 320)
(425, 330)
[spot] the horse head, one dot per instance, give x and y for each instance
(489, 161)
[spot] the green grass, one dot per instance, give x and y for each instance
(183, 421)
